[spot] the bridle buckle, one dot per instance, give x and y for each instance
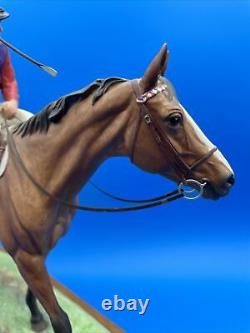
(147, 119)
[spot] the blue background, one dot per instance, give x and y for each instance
(190, 258)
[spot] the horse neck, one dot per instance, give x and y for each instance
(72, 149)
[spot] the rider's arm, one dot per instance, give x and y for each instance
(8, 80)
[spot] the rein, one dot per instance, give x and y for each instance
(118, 198)
(171, 196)
(164, 143)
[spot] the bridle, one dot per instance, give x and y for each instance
(164, 143)
(182, 169)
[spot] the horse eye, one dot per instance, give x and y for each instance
(174, 120)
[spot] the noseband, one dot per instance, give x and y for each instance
(182, 169)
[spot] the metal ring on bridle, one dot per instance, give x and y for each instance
(191, 182)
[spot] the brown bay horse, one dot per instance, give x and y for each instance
(64, 144)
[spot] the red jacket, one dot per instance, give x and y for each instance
(8, 82)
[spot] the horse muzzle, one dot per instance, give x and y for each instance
(212, 191)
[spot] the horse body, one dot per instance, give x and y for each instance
(62, 160)
(64, 157)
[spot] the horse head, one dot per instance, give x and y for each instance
(167, 141)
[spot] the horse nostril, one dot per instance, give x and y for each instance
(231, 180)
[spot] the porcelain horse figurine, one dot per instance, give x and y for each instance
(65, 143)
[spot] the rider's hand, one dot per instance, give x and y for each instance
(9, 108)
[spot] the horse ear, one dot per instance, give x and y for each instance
(164, 66)
(155, 69)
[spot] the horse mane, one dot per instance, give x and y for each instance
(56, 110)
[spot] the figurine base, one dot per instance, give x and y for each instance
(14, 314)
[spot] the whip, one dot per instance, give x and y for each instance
(47, 69)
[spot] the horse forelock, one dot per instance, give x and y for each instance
(56, 110)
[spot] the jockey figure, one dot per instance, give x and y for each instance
(8, 83)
